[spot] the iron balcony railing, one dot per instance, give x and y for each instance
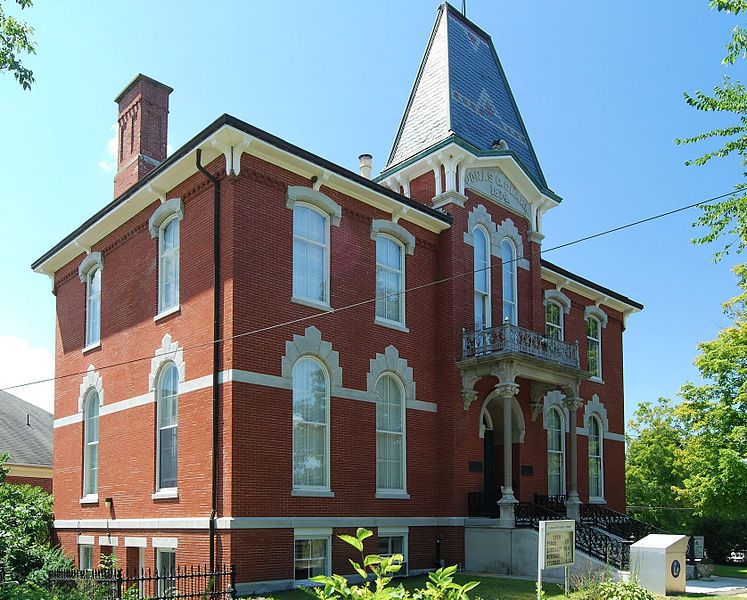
(509, 338)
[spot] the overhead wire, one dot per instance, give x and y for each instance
(375, 298)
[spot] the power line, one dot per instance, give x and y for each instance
(371, 300)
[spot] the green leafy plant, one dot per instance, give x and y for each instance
(624, 590)
(377, 573)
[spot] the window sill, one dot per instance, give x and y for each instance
(391, 324)
(92, 346)
(90, 499)
(311, 303)
(313, 493)
(597, 501)
(166, 494)
(597, 380)
(387, 495)
(165, 313)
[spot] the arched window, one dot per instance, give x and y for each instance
(481, 247)
(508, 257)
(596, 463)
(390, 435)
(553, 320)
(168, 264)
(555, 452)
(310, 425)
(594, 347)
(93, 306)
(310, 254)
(168, 424)
(390, 279)
(91, 448)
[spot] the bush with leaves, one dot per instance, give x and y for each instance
(377, 573)
(25, 525)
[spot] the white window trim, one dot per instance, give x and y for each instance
(514, 278)
(93, 343)
(165, 543)
(296, 297)
(562, 452)
(596, 499)
(166, 492)
(597, 376)
(404, 533)
(164, 310)
(80, 555)
(88, 498)
(401, 323)
(487, 296)
(561, 325)
(396, 231)
(321, 533)
(324, 490)
(395, 493)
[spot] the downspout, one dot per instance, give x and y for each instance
(216, 347)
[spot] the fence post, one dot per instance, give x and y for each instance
(119, 584)
(232, 589)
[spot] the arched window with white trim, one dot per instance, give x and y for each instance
(555, 452)
(508, 258)
(168, 264)
(310, 253)
(594, 347)
(596, 458)
(390, 279)
(481, 265)
(553, 320)
(390, 435)
(91, 443)
(310, 425)
(93, 306)
(167, 390)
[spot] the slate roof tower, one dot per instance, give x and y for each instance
(462, 90)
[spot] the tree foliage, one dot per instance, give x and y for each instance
(25, 525)
(16, 40)
(727, 218)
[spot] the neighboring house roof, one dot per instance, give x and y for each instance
(461, 89)
(25, 432)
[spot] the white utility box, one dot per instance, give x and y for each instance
(658, 563)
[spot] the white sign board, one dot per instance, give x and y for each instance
(557, 543)
(698, 545)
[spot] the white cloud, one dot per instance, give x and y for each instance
(20, 362)
(169, 149)
(110, 163)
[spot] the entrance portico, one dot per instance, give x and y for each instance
(508, 353)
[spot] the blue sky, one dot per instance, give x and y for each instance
(599, 86)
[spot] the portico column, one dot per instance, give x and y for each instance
(573, 503)
(506, 392)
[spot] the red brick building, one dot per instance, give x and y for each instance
(332, 399)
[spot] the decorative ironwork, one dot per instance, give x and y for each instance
(479, 505)
(596, 543)
(617, 523)
(509, 338)
(181, 582)
(554, 503)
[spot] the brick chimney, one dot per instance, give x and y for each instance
(143, 127)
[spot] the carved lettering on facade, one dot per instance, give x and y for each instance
(493, 184)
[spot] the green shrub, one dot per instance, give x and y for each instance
(377, 573)
(616, 590)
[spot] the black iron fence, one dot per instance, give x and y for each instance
(197, 582)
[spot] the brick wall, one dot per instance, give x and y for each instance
(44, 483)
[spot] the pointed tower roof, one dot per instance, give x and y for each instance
(461, 89)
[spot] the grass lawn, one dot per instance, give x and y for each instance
(731, 571)
(493, 588)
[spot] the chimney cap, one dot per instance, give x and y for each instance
(365, 155)
(138, 78)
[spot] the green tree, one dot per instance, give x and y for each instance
(16, 40)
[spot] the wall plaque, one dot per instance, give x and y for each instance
(493, 184)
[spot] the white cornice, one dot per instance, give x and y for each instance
(231, 143)
(590, 293)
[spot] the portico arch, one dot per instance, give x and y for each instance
(492, 411)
